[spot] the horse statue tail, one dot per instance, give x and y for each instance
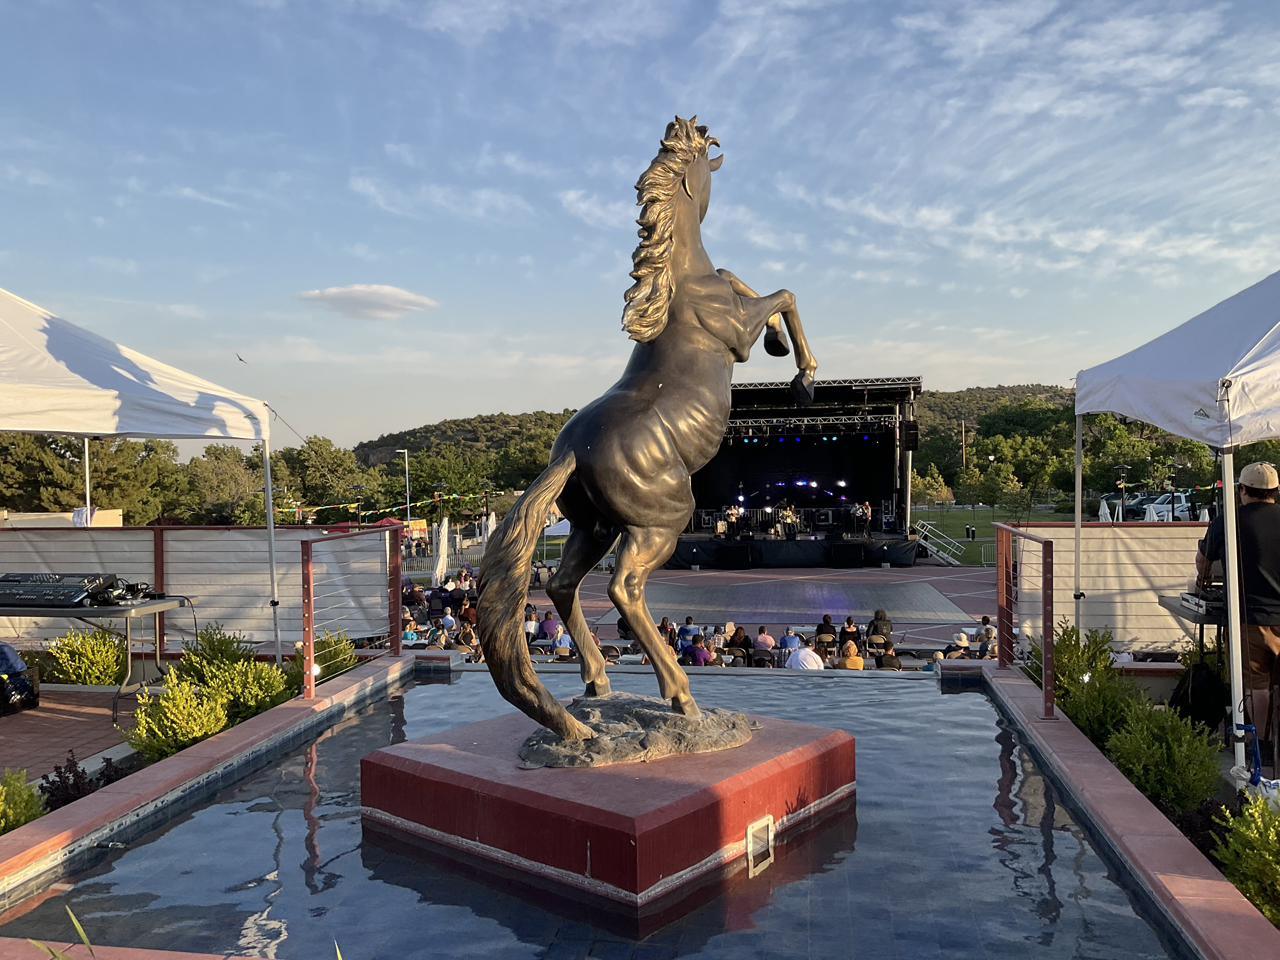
(504, 587)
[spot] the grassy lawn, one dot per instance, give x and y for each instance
(952, 520)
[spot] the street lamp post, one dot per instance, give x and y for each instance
(360, 488)
(1123, 470)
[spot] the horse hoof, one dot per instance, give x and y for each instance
(775, 344)
(598, 688)
(685, 707)
(802, 388)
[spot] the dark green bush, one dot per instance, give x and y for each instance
(84, 656)
(1075, 661)
(1173, 761)
(1099, 704)
(19, 803)
(1250, 855)
(213, 647)
(335, 652)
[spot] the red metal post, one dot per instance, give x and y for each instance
(393, 585)
(1004, 597)
(157, 582)
(1047, 674)
(308, 626)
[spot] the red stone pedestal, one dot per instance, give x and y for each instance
(633, 838)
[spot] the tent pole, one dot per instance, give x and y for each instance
(1079, 508)
(271, 547)
(1235, 622)
(87, 506)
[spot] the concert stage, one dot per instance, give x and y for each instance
(824, 485)
(716, 554)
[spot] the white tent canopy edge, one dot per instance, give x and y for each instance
(58, 378)
(1216, 379)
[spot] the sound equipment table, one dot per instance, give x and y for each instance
(127, 613)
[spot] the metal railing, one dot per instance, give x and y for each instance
(1006, 600)
(945, 548)
(331, 600)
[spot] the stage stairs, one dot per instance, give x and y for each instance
(939, 545)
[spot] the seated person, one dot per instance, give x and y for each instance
(562, 644)
(437, 635)
(685, 635)
(531, 626)
(411, 595)
(849, 632)
(16, 691)
(447, 621)
(825, 628)
(987, 649)
(468, 613)
(550, 627)
(466, 639)
(804, 657)
(880, 626)
(699, 655)
(763, 641)
(957, 649)
(737, 637)
(849, 658)
(889, 659)
(718, 637)
(789, 640)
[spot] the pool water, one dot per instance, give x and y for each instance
(958, 848)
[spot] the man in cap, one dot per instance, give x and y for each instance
(1259, 526)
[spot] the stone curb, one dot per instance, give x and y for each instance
(1200, 908)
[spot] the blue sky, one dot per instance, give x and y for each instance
(397, 212)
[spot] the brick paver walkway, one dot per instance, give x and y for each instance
(36, 740)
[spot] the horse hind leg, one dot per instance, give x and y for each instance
(582, 551)
(640, 552)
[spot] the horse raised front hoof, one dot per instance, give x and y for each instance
(775, 344)
(802, 388)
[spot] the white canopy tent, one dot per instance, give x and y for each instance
(58, 378)
(1216, 379)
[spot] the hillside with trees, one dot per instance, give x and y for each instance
(1019, 445)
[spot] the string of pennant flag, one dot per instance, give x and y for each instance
(298, 512)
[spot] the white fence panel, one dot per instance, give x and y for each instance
(1125, 569)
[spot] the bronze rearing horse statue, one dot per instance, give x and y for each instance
(620, 468)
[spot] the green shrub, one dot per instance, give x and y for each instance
(335, 652)
(247, 687)
(182, 715)
(1074, 661)
(1173, 761)
(1099, 704)
(19, 803)
(1250, 856)
(85, 656)
(213, 647)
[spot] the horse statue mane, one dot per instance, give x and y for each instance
(620, 474)
(649, 298)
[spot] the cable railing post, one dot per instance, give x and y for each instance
(308, 626)
(393, 586)
(1047, 673)
(1004, 598)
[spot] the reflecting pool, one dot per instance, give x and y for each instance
(959, 848)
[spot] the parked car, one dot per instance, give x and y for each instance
(1178, 503)
(1135, 508)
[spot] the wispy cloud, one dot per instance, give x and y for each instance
(191, 193)
(115, 265)
(596, 212)
(476, 204)
(369, 301)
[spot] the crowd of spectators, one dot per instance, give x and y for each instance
(444, 617)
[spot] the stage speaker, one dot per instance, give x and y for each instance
(845, 553)
(734, 556)
(910, 435)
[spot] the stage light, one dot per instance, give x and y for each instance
(813, 483)
(741, 498)
(840, 483)
(799, 483)
(864, 437)
(797, 439)
(768, 509)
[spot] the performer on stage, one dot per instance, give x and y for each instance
(734, 517)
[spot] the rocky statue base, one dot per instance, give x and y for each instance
(632, 728)
(643, 842)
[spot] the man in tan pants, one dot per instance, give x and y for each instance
(1259, 525)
